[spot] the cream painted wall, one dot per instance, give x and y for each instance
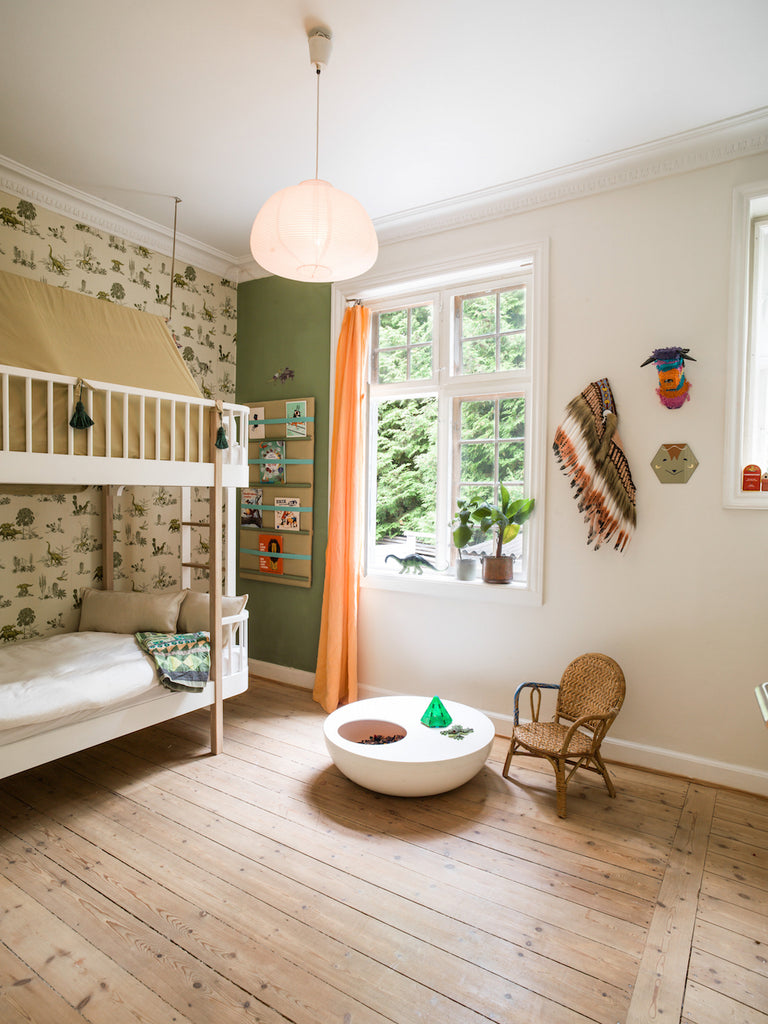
(683, 610)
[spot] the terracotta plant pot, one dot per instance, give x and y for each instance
(498, 568)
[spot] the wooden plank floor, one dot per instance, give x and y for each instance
(145, 881)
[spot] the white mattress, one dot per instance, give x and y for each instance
(68, 677)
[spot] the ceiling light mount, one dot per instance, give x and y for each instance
(312, 231)
(319, 40)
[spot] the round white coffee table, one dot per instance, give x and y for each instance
(422, 762)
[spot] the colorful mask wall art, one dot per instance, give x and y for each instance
(673, 387)
(674, 463)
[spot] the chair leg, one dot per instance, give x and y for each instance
(560, 783)
(604, 772)
(510, 752)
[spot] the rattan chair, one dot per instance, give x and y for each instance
(589, 697)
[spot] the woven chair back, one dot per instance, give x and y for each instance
(593, 684)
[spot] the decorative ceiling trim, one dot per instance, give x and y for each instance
(711, 144)
(97, 213)
(719, 142)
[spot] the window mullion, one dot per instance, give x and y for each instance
(445, 424)
(444, 476)
(498, 331)
(496, 445)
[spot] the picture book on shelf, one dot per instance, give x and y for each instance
(296, 419)
(271, 543)
(272, 462)
(251, 512)
(287, 515)
(255, 423)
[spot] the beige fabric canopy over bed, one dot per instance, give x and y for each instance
(137, 389)
(54, 330)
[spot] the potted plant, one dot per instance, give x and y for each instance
(466, 568)
(502, 521)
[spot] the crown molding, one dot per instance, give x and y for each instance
(54, 195)
(715, 143)
(249, 270)
(719, 142)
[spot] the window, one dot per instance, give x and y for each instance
(756, 406)
(747, 421)
(456, 386)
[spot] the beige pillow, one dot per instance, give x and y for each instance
(195, 615)
(121, 611)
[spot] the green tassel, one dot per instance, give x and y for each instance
(221, 438)
(436, 716)
(80, 418)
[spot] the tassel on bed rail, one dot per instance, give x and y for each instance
(80, 419)
(221, 434)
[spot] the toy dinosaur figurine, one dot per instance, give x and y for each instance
(412, 563)
(456, 732)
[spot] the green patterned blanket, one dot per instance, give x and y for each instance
(183, 660)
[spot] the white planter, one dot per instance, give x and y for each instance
(466, 568)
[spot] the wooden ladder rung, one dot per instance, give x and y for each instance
(196, 565)
(206, 525)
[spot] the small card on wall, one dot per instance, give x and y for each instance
(287, 515)
(270, 561)
(250, 507)
(271, 462)
(256, 423)
(296, 419)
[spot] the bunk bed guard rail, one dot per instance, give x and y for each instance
(139, 436)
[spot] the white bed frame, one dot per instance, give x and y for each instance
(221, 471)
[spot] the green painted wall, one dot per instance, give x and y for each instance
(286, 323)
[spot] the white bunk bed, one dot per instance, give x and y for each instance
(140, 437)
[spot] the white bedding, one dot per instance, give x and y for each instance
(70, 676)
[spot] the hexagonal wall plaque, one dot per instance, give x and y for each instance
(674, 463)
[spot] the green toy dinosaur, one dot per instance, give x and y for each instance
(412, 563)
(456, 732)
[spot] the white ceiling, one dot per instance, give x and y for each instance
(423, 100)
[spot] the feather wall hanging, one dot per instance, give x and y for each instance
(589, 451)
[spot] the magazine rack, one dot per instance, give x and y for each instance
(276, 509)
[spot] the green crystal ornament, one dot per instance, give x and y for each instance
(436, 717)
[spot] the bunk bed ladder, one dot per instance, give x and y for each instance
(214, 565)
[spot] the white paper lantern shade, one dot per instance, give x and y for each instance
(314, 232)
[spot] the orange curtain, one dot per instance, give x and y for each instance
(336, 674)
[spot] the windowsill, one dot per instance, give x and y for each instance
(445, 586)
(746, 499)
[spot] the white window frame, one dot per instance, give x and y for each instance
(481, 270)
(749, 202)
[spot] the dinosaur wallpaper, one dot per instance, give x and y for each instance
(50, 543)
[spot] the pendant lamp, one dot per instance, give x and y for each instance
(312, 231)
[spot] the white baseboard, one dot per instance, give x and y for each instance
(700, 769)
(282, 674)
(639, 755)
